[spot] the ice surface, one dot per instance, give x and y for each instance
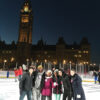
(9, 90)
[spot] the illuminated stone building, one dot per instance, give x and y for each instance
(24, 51)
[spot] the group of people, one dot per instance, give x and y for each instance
(39, 84)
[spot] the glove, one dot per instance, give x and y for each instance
(55, 84)
(78, 96)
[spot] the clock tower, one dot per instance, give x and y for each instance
(26, 21)
(25, 33)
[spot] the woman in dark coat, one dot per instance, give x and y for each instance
(57, 85)
(67, 91)
(77, 86)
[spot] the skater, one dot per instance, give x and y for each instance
(46, 86)
(66, 86)
(16, 74)
(58, 88)
(78, 92)
(95, 76)
(99, 76)
(36, 83)
(26, 85)
(20, 72)
(8, 74)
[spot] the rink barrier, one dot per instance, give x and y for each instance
(3, 74)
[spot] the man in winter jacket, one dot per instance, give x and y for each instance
(36, 83)
(26, 85)
(77, 86)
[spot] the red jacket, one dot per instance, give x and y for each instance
(20, 71)
(16, 72)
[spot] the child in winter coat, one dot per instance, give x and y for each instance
(57, 85)
(46, 86)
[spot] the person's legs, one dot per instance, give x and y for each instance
(64, 96)
(69, 97)
(49, 97)
(29, 95)
(43, 97)
(58, 96)
(38, 94)
(55, 95)
(22, 95)
(34, 94)
(95, 79)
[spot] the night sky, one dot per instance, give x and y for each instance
(72, 19)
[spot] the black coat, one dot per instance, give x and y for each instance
(66, 85)
(99, 76)
(26, 82)
(34, 77)
(42, 81)
(77, 87)
(58, 88)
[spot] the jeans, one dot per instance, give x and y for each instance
(28, 93)
(20, 76)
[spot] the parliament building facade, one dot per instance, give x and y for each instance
(24, 51)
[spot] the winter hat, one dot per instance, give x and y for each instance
(49, 71)
(56, 70)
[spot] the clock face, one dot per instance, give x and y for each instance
(26, 9)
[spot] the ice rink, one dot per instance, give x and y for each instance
(9, 90)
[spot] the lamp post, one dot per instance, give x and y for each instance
(4, 63)
(64, 62)
(76, 67)
(70, 65)
(27, 62)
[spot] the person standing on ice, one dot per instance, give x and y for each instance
(99, 76)
(20, 72)
(25, 85)
(95, 76)
(46, 86)
(58, 88)
(16, 74)
(66, 86)
(76, 81)
(36, 93)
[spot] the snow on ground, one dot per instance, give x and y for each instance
(9, 90)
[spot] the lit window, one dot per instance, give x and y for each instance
(84, 51)
(80, 55)
(75, 56)
(24, 19)
(79, 52)
(87, 52)
(9, 51)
